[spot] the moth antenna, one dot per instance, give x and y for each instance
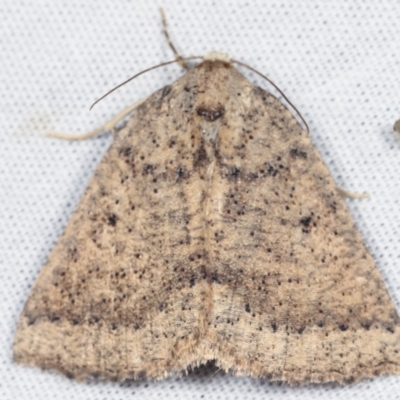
(277, 88)
(178, 57)
(140, 73)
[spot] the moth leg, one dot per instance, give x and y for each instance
(396, 127)
(108, 126)
(351, 195)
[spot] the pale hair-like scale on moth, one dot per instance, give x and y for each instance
(215, 56)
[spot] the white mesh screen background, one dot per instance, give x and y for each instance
(338, 62)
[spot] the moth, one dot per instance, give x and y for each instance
(211, 230)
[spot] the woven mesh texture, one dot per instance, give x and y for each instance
(338, 61)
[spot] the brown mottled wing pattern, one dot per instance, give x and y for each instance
(124, 293)
(296, 295)
(211, 230)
